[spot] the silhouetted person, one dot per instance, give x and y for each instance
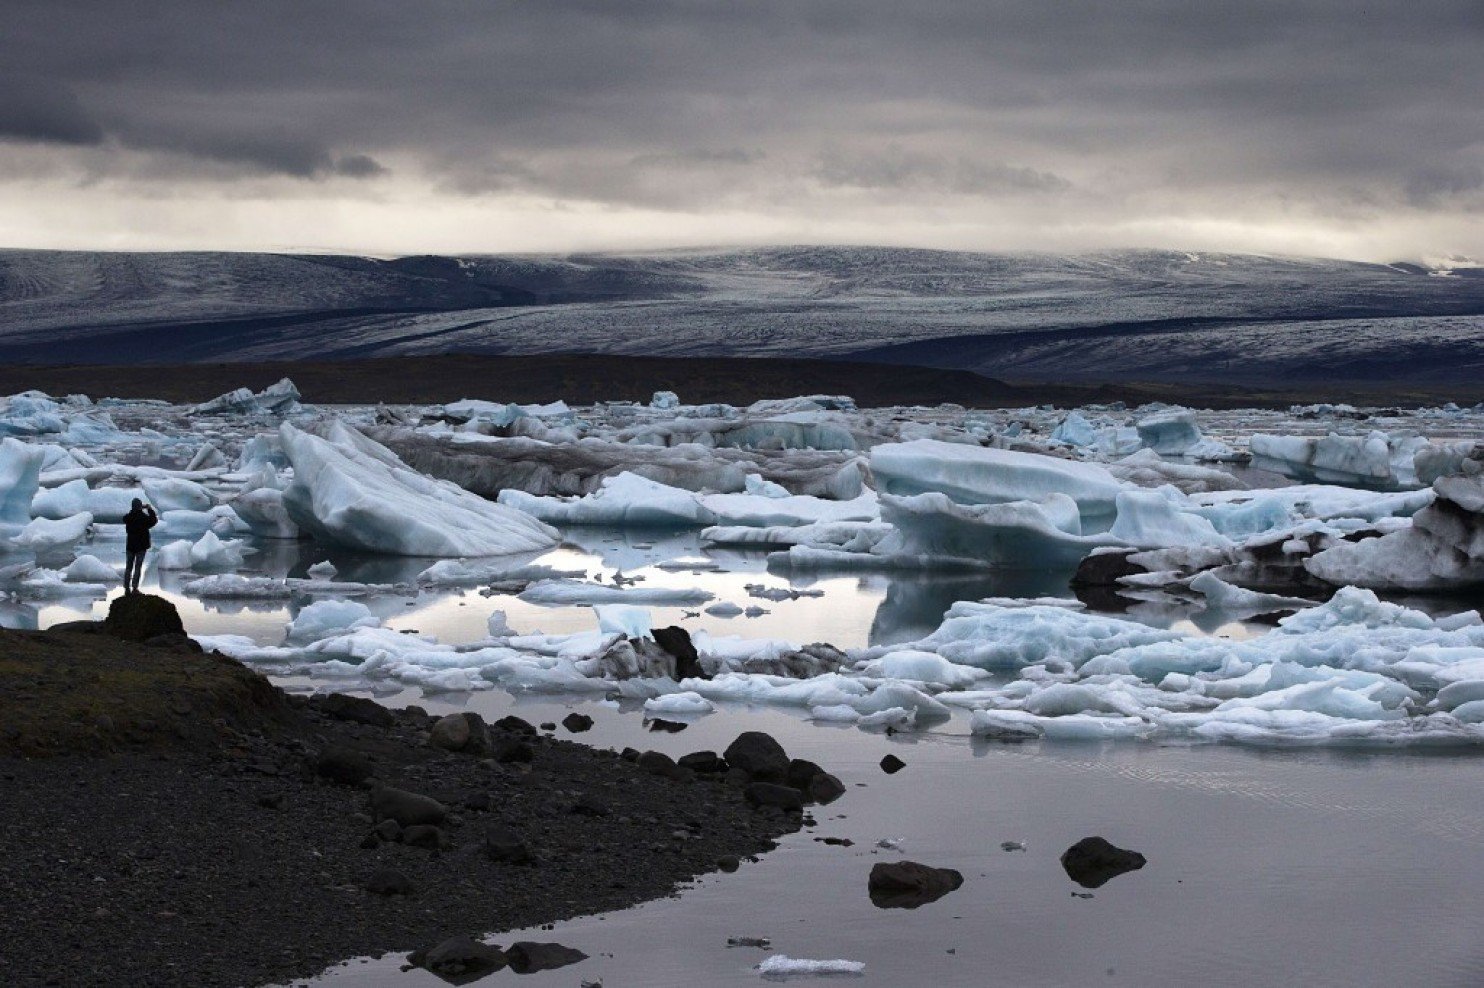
(137, 523)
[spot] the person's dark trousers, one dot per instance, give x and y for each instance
(133, 570)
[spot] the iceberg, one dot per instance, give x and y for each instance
(325, 618)
(349, 490)
(626, 500)
(576, 592)
(20, 478)
(276, 399)
(1171, 432)
(980, 475)
(1358, 461)
(43, 535)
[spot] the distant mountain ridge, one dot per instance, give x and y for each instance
(1105, 315)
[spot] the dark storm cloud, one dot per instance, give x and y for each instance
(610, 100)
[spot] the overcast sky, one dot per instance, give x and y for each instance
(1333, 127)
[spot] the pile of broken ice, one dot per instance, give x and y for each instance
(1140, 502)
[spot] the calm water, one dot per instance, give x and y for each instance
(1295, 867)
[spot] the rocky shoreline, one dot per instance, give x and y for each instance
(233, 835)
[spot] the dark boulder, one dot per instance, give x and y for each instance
(705, 762)
(460, 960)
(588, 805)
(801, 772)
(174, 643)
(668, 726)
(825, 788)
(907, 884)
(507, 750)
(1105, 569)
(408, 808)
(891, 764)
(138, 617)
(1093, 861)
(426, 836)
(771, 794)
(759, 755)
(512, 724)
(676, 641)
(343, 765)
(576, 723)
(656, 763)
(356, 709)
(527, 958)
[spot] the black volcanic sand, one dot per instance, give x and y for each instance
(588, 378)
(176, 831)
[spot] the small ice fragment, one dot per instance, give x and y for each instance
(1012, 845)
(890, 843)
(762, 943)
(781, 964)
(322, 570)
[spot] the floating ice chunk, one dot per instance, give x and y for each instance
(626, 620)
(781, 965)
(171, 493)
(47, 535)
(892, 695)
(75, 497)
(922, 667)
(1147, 469)
(627, 500)
(48, 584)
(498, 625)
(679, 704)
(322, 570)
(837, 713)
(210, 552)
(90, 569)
(174, 555)
(1075, 430)
(20, 477)
(975, 475)
(725, 609)
(1361, 461)
(574, 592)
(1150, 520)
(351, 491)
(1072, 727)
(1223, 596)
(758, 487)
(1442, 549)
(1170, 432)
(278, 399)
(1015, 535)
(665, 400)
(899, 718)
(326, 618)
(789, 509)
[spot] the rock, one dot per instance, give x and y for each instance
(705, 762)
(908, 884)
(668, 726)
(825, 788)
(356, 709)
(801, 772)
(459, 960)
(1093, 861)
(450, 733)
(426, 836)
(728, 863)
(343, 765)
(514, 725)
(576, 723)
(408, 808)
(1105, 569)
(138, 617)
(175, 643)
(527, 958)
(388, 830)
(656, 763)
(504, 845)
(389, 881)
(676, 641)
(771, 794)
(629, 754)
(891, 764)
(759, 755)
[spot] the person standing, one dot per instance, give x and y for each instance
(137, 523)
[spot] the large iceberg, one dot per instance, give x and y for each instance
(20, 477)
(1374, 460)
(980, 475)
(349, 490)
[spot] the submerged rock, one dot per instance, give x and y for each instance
(1092, 862)
(908, 884)
(527, 957)
(459, 960)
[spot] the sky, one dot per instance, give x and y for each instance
(1346, 128)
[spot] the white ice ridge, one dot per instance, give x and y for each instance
(1373, 460)
(978, 475)
(781, 965)
(348, 490)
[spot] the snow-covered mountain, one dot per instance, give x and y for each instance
(1111, 315)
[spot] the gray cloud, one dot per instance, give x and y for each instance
(1312, 106)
